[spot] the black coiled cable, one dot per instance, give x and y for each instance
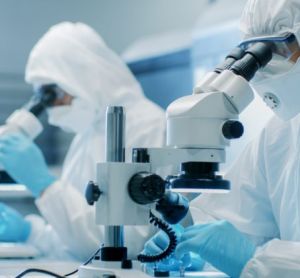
(143, 258)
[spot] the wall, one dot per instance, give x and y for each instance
(119, 21)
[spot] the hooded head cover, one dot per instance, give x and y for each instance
(73, 56)
(268, 18)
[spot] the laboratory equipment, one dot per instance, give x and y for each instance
(25, 120)
(221, 36)
(199, 127)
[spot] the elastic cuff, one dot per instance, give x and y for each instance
(44, 184)
(37, 224)
(249, 269)
(52, 189)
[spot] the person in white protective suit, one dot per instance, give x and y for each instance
(254, 231)
(91, 76)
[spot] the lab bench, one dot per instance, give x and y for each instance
(12, 267)
(18, 197)
(9, 268)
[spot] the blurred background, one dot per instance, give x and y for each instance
(168, 45)
(136, 29)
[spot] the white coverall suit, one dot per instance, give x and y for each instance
(264, 202)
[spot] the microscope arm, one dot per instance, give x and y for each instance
(22, 121)
(26, 120)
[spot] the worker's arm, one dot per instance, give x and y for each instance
(45, 239)
(277, 258)
(65, 210)
(247, 205)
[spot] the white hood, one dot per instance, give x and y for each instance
(74, 56)
(270, 17)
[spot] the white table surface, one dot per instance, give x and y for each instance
(9, 268)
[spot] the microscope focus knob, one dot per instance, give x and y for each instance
(232, 129)
(92, 193)
(146, 188)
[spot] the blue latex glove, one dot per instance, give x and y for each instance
(160, 241)
(25, 163)
(220, 244)
(13, 227)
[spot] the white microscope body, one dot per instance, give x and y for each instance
(22, 121)
(25, 120)
(194, 133)
(199, 128)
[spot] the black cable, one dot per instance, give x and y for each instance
(172, 241)
(37, 270)
(30, 270)
(87, 262)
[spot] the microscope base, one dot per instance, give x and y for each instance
(110, 269)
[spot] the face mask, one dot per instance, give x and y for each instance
(281, 92)
(75, 118)
(278, 65)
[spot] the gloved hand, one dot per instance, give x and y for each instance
(13, 227)
(24, 162)
(160, 241)
(220, 244)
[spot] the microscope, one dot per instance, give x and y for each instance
(25, 120)
(199, 128)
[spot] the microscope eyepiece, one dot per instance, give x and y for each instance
(256, 56)
(44, 97)
(236, 54)
(262, 51)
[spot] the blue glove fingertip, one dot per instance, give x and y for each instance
(186, 260)
(197, 263)
(11, 138)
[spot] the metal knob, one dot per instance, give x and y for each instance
(232, 129)
(92, 193)
(146, 188)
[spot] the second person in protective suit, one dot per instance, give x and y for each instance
(91, 76)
